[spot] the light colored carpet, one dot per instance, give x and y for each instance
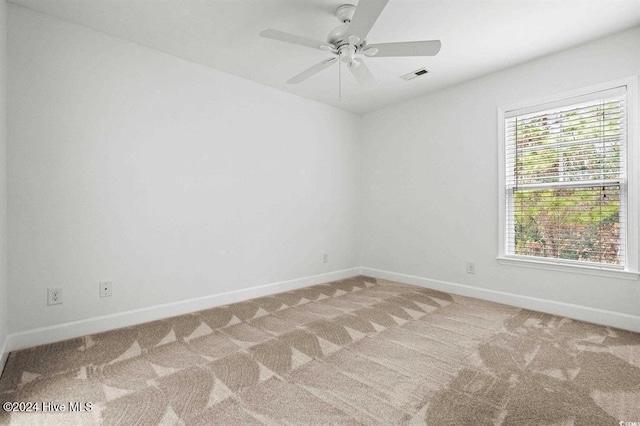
(357, 351)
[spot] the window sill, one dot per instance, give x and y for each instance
(563, 267)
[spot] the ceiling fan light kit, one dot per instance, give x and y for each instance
(349, 43)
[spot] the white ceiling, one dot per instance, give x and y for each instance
(478, 37)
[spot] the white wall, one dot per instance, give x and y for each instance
(171, 179)
(3, 182)
(430, 180)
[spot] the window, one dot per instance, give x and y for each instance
(566, 181)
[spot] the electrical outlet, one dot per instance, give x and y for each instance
(54, 296)
(325, 258)
(471, 268)
(106, 288)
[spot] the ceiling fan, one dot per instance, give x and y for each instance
(348, 42)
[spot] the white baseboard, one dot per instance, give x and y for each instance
(582, 313)
(50, 334)
(69, 330)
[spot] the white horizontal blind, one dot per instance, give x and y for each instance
(565, 180)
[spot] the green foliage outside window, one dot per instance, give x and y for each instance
(572, 218)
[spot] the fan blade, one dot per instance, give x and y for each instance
(362, 73)
(370, 52)
(407, 48)
(292, 38)
(312, 71)
(365, 16)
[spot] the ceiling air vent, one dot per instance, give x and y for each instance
(414, 74)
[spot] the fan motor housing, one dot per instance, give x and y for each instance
(338, 35)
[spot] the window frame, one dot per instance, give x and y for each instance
(631, 186)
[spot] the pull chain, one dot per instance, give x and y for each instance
(339, 80)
